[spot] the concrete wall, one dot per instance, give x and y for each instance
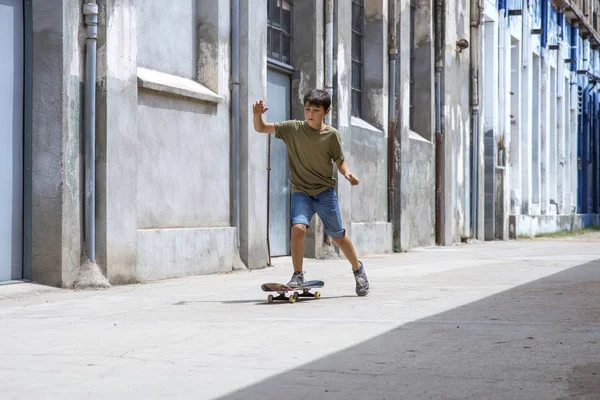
(456, 123)
(163, 166)
(371, 232)
(164, 177)
(56, 131)
(165, 138)
(415, 182)
(542, 152)
(370, 229)
(116, 152)
(421, 197)
(253, 84)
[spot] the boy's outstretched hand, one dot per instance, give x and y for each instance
(353, 179)
(259, 108)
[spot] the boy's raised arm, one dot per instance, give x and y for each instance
(259, 108)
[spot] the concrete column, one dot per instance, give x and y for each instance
(552, 142)
(455, 122)
(561, 128)
(376, 75)
(253, 81)
(504, 129)
(402, 210)
(308, 56)
(490, 127)
(535, 134)
(516, 122)
(308, 51)
(116, 150)
(526, 98)
(573, 159)
(342, 55)
(56, 142)
(545, 132)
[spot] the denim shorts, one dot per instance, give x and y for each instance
(325, 204)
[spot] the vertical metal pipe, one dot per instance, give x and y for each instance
(90, 11)
(329, 13)
(329, 8)
(269, 198)
(475, 64)
(585, 148)
(27, 142)
(235, 114)
(439, 156)
(594, 154)
(596, 163)
(393, 57)
(474, 169)
(439, 153)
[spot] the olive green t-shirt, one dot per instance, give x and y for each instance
(311, 154)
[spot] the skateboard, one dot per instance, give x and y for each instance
(282, 289)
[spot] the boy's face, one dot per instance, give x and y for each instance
(314, 114)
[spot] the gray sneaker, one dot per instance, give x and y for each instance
(362, 283)
(297, 280)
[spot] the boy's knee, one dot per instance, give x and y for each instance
(298, 230)
(338, 240)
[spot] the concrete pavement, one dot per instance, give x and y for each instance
(500, 320)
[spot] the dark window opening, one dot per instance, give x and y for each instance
(412, 66)
(358, 22)
(279, 30)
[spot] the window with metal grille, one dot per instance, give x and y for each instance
(358, 23)
(412, 64)
(279, 31)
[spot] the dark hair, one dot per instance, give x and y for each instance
(318, 98)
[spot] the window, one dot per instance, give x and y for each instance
(279, 31)
(412, 66)
(358, 22)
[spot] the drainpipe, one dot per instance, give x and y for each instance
(475, 63)
(329, 11)
(439, 151)
(90, 11)
(596, 135)
(393, 57)
(329, 7)
(235, 113)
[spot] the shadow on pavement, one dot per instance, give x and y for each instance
(540, 340)
(257, 302)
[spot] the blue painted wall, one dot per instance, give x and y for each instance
(555, 31)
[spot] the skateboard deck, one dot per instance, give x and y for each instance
(282, 289)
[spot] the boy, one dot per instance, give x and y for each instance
(312, 147)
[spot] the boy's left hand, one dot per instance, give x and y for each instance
(353, 179)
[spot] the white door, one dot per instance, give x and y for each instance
(11, 139)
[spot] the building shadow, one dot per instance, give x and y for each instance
(540, 340)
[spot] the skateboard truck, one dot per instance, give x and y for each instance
(283, 289)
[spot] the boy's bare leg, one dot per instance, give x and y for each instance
(348, 249)
(297, 246)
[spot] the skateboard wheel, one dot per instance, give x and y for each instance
(270, 299)
(292, 299)
(317, 295)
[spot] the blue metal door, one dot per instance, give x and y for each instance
(278, 101)
(11, 139)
